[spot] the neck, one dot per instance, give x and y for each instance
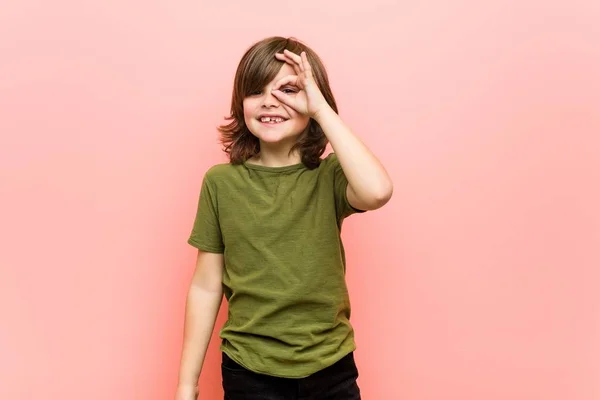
(276, 156)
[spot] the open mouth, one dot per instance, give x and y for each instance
(272, 120)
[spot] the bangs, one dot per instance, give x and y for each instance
(259, 72)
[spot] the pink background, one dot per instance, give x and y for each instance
(479, 280)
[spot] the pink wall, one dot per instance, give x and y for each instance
(480, 278)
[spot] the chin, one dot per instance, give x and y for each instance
(274, 137)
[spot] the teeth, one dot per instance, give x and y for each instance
(271, 119)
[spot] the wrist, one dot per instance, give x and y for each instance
(323, 113)
(187, 384)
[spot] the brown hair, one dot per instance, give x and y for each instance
(258, 67)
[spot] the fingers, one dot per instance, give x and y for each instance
(299, 62)
(286, 80)
(306, 65)
(295, 57)
(290, 61)
(285, 99)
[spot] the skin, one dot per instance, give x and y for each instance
(293, 95)
(369, 185)
(276, 140)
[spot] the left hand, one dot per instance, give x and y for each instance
(313, 101)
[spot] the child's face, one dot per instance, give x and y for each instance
(270, 120)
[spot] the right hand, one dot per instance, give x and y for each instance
(186, 392)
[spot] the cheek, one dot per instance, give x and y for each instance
(248, 111)
(302, 121)
(290, 111)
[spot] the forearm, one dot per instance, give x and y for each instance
(201, 311)
(366, 175)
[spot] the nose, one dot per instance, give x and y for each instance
(269, 100)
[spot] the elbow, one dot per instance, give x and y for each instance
(372, 198)
(380, 197)
(383, 196)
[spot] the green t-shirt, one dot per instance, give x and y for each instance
(284, 275)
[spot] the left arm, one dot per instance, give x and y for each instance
(369, 185)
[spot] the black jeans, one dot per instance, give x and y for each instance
(337, 382)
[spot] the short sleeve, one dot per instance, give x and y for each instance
(206, 231)
(340, 183)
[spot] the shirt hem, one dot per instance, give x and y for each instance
(338, 357)
(204, 247)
